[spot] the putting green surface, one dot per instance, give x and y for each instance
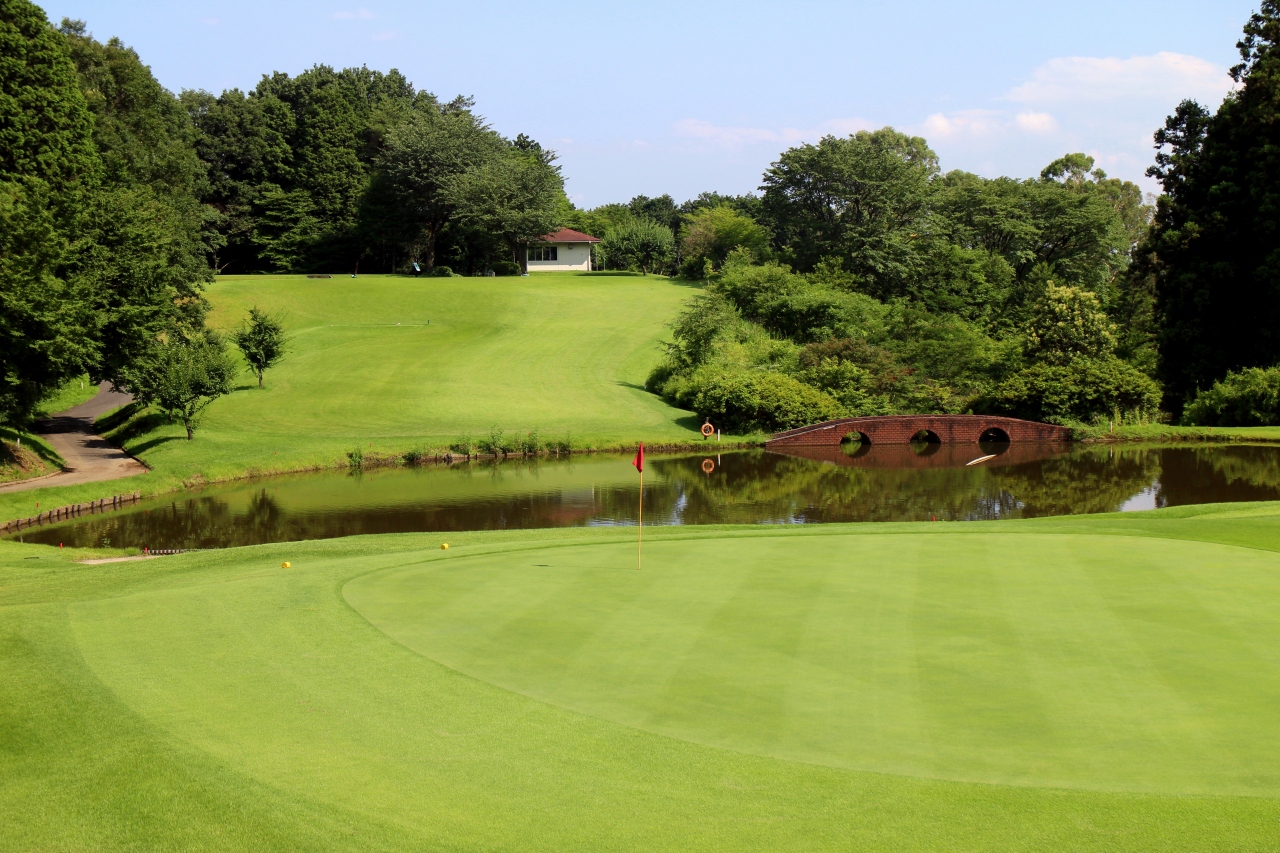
(1098, 683)
(1068, 661)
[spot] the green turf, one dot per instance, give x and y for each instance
(563, 354)
(1064, 684)
(70, 395)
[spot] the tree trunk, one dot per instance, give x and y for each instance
(190, 432)
(521, 258)
(259, 378)
(429, 248)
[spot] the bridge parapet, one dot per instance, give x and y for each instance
(900, 429)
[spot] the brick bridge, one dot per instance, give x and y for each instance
(900, 429)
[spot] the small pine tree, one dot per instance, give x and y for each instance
(262, 340)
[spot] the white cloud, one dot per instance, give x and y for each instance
(984, 124)
(963, 122)
(1036, 122)
(739, 137)
(384, 36)
(1105, 107)
(1165, 76)
(361, 14)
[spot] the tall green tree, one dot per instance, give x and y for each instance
(424, 159)
(862, 201)
(515, 196)
(48, 166)
(144, 242)
(1215, 243)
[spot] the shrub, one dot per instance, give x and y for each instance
(463, 445)
(748, 400)
(1067, 324)
(1248, 398)
(791, 306)
(356, 458)
(505, 268)
(640, 244)
(1080, 391)
(441, 272)
(530, 443)
(493, 444)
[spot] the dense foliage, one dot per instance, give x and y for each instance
(183, 376)
(104, 243)
(861, 280)
(893, 289)
(331, 169)
(1250, 397)
(1214, 250)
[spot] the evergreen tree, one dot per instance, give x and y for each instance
(1215, 245)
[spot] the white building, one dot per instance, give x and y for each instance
(562, 251)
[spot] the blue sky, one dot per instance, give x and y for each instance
(681, 97)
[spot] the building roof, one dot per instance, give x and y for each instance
(568, 235)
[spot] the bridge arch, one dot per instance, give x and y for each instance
(900, 429)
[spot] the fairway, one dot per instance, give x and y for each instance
(383, 357)
(391, 364)
(1102, 683)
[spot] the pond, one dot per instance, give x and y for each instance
(803, 486)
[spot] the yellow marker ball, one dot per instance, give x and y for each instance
(286, 565)
(444, 547)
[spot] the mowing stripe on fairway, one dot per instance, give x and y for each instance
(1072, 661)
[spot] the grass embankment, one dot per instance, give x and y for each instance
(1167, 432)
(1101, 683)
(24, 455)
(563, 354)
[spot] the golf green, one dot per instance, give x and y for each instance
(1103, 683)
(1066, 661)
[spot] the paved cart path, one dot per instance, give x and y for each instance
(89, 457)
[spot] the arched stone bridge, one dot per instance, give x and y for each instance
(900, 429)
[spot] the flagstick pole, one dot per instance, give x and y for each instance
(640, 537)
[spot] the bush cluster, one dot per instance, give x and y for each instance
(1250, 397)
(764, 348)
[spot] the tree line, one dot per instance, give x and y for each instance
(860, 278)
(863, 280)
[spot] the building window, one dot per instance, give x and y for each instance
(542, 253)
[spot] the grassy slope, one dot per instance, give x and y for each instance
(558, 353)
(1167, 432)
(75, 392)
(217, 701)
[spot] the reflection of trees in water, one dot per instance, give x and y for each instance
(1217, 474)
(750, 487)
(767, 487)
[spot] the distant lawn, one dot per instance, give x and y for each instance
(564, 354)
(1168, 432)
(1105, 683)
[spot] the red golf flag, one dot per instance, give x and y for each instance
(639, 460)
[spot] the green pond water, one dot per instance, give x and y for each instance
(808, 486)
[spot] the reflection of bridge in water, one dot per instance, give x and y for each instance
(902, 429)
(920, 456)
